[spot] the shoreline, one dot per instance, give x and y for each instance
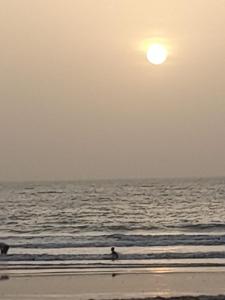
(111, 285)
(101, 269)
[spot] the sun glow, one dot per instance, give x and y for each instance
(157, 54)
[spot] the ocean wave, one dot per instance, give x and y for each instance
(83, 226)
(200, 226)
(118, 240)
(100, 257)
(50, 192)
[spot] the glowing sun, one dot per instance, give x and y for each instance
(157, 54)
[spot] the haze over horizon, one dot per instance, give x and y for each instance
(80, 100)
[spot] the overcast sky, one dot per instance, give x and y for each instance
(80, 100)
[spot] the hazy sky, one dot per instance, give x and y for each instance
(79, 99)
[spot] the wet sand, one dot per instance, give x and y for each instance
(111, 286)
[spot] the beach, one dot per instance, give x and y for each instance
(113, 286)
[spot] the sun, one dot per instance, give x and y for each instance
(157, 54)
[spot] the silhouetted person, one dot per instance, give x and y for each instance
(114, 254)
(4, 248)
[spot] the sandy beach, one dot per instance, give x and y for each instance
(112, 286)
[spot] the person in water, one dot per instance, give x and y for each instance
(4, 248)
(114, 254)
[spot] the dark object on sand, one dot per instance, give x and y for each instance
(4, 277)
(114, 254)
(4, 248)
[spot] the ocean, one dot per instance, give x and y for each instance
(154, 224)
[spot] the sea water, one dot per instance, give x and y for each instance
(154, 224)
